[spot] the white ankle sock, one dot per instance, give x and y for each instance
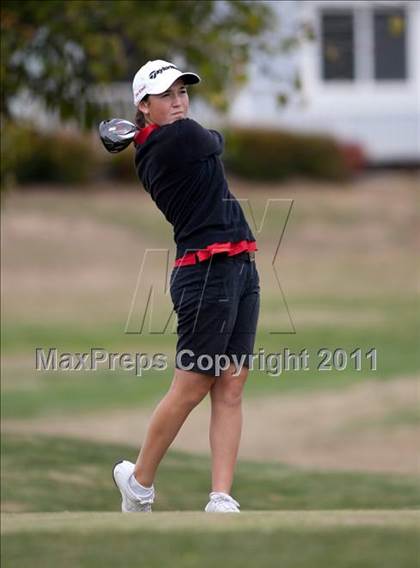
(138, 488)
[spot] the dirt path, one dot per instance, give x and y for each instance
(366, 427)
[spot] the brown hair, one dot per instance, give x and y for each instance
(140, 119)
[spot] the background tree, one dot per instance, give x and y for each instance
(58, 50)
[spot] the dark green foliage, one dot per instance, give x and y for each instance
(31, 156)
(120, 167)
(57, 50)
(275, 155)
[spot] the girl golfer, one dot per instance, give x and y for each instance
(214, 284)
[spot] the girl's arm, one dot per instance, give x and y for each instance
(196, 142)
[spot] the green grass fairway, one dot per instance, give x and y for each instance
(52, 474)
(189, 539)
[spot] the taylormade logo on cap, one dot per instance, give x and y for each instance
(154, 74)
(156, 77)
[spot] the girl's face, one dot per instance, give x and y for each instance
(167, 107)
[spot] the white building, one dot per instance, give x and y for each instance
(360, 77)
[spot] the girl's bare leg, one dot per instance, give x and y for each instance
(186, 391)
(226, 426)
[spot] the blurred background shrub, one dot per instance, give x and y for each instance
(30, 156)
(276, 155)
(354, 157)
(119, 167)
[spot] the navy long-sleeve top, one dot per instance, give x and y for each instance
(180, 166)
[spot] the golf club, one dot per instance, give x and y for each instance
(117, 133)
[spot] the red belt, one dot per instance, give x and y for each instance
(230, 248)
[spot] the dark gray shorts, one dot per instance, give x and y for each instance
(217, 302)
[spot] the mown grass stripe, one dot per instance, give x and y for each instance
(198, 521)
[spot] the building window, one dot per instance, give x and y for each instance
(390, 44)
(363, 43)
(337, 32)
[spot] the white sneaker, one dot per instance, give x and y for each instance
(131, 503)
(221, 503)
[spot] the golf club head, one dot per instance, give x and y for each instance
(116, 134)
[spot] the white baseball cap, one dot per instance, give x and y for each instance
(156, 77)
